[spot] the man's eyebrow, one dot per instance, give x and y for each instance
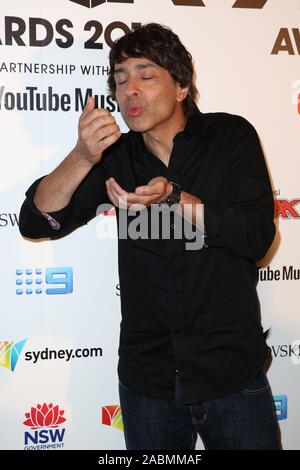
(138, 66)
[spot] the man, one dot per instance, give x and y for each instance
(192, 349)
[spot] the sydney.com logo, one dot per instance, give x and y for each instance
(10, 353)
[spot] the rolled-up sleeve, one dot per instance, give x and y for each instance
(82, 207)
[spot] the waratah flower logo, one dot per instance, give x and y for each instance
(44, 416)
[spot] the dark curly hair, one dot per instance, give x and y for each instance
(159, 44)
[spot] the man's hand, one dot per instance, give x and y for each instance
(156, 191)
(97, 130)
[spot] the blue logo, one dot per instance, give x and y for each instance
(281, 406)
(36, 281)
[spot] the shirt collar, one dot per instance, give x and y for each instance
(194, 123)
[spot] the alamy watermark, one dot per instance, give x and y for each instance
(158, 221)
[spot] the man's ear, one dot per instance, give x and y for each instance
(182, 93)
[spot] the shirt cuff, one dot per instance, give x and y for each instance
(52, 222)
(55, 219)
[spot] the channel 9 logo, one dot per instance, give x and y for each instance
(280, 402)
(38, 281)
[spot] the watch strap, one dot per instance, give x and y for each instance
(174, 197)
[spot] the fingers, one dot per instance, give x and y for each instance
(111, 194)
(157, 189)
(144, 200)
(94, 114)
(147, 191)
(116, 194)
(97, 130)
(116, 187)
(90, 105)
(121, 198)
(107, 131)
(96, 121)
(109, 140)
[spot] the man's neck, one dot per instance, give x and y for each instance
(160, 140)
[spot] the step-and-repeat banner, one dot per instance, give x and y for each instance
(60, 303)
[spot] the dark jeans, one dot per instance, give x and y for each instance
(243, 421)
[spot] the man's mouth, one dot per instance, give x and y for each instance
(134, 110)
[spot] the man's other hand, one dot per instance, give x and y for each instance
(97, 130)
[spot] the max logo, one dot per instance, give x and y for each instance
(187, 3)
(286, 209)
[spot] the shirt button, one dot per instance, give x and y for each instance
(173, 226)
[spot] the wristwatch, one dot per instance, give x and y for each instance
(174, 197)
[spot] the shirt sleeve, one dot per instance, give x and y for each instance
(244, 223)
(82, 207)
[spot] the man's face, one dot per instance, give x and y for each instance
(148, 96)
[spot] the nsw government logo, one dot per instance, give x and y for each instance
(10, 353)
(38, 281)
(44, 421)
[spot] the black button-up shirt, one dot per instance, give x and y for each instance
(192, 310)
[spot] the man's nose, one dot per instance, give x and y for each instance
(132, 87)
